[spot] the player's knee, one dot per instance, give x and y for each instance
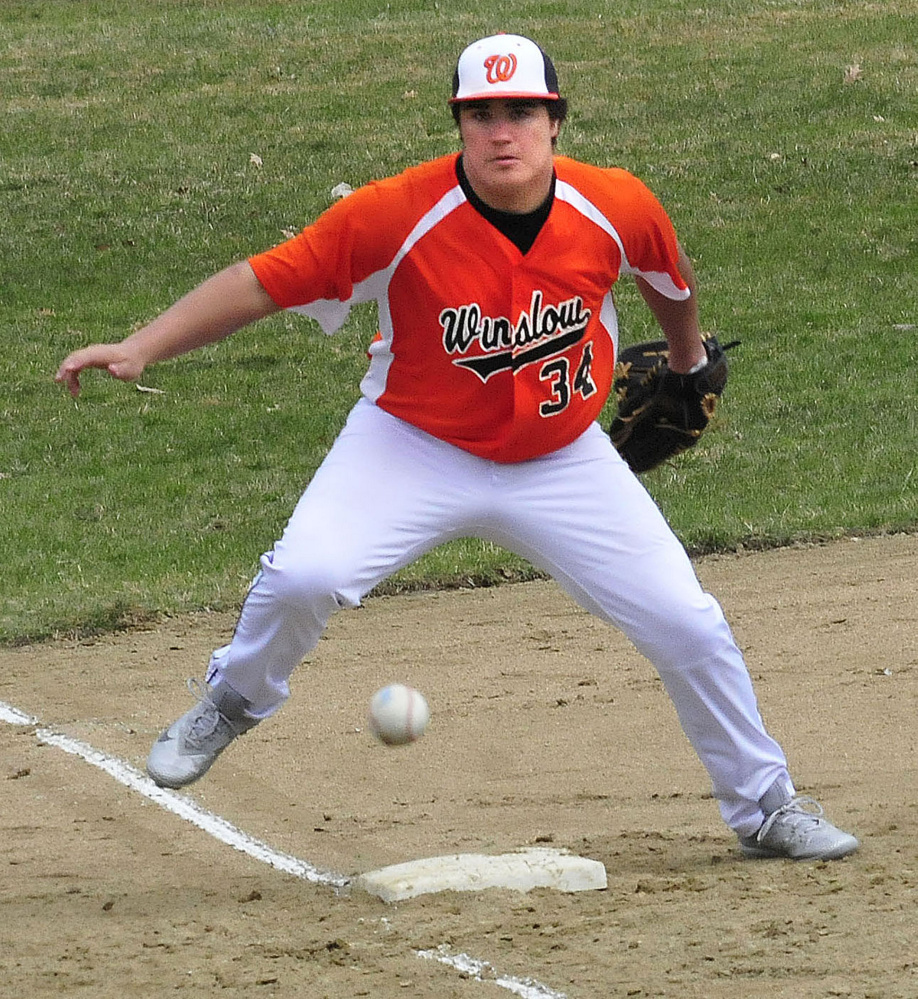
(689, 637)
(311, 583)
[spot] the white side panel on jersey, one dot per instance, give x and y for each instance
(608, 318)
(662, 282)
(330, 313)
(374, 381)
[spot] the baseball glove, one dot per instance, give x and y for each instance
(661, 413)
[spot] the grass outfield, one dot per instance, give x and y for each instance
(145, 147)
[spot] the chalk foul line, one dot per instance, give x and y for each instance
(226, 832)
(185, 808)
(483, 971)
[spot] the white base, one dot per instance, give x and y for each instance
(539, 867)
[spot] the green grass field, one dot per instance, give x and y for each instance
(145, 147)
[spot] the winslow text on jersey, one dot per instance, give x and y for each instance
(540, 332)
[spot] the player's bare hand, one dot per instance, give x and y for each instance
(119, 361)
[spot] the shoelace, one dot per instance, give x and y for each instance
(797, 805)
(206, 722)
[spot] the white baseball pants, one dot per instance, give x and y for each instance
(388, 492)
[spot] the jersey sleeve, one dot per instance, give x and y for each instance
(327, 267)
(627, 210)
(651, 249)
(343, 257)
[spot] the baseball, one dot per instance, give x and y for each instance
(398, 714)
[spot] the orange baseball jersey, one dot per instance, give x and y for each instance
(506, 355)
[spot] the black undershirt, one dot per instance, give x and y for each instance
(520, 228)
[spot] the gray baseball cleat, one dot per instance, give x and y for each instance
(797, 830)
(187, 749)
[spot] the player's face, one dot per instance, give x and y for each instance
(508, 152)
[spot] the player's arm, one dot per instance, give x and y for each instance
(678, 319)
(224, 303)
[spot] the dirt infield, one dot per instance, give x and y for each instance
(546, 728)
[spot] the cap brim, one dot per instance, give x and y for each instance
(520, 96)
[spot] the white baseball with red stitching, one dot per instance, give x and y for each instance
(398, 714)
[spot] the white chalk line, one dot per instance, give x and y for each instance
(226, 832)
(483, 971)
(14, 716)
(185, 808)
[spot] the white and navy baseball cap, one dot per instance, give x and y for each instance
(504, 66)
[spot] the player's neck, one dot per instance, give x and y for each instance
(521, 228)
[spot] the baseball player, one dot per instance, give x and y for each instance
(492, 270)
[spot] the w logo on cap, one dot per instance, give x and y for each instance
(500, 68)
(504, 66)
